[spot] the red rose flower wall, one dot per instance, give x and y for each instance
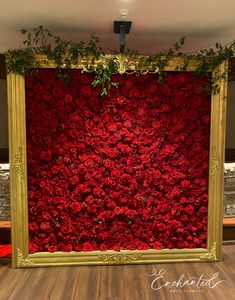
(127, 171)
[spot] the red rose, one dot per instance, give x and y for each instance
(97, 191)
(46, 216)
(33, 227)
(183, 200)
(37, 194)
(52, 248)
(87, 247)
(157, 245)
(111, 152)
(129, 83)
(42, 184)
(33, 247)
(46, 226)
(125, 180)
(116, 247)
(196, 101)
(189, 209)
(182, 78)
(83, 188)
(84, 78)
(55, 169)
(167, 91)
(168, 149)
(112, 127)
(134, 93)
(76, 207)
(86, 91)
(74, 180)
(192, 115)
(153, 88)
(198, 89)
(68, 98)
(206, 119)
(165, 108)
(118, 210)
(103, 247)
(67, 248)
(121, 100)
(185, 184)
(46, 155)
(143, 246)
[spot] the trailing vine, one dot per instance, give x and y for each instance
(67, 55)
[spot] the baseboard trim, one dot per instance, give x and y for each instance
(226, 243)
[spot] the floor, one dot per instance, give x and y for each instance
(126, 282)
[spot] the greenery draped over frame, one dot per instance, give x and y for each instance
(67, 54)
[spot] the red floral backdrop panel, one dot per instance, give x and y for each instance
(126, 171)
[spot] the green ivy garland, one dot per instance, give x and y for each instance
(66, 55)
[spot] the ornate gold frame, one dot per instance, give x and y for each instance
(18, 182)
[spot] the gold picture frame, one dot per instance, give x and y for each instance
(18, 183)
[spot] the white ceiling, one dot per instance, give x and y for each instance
(156, 24)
